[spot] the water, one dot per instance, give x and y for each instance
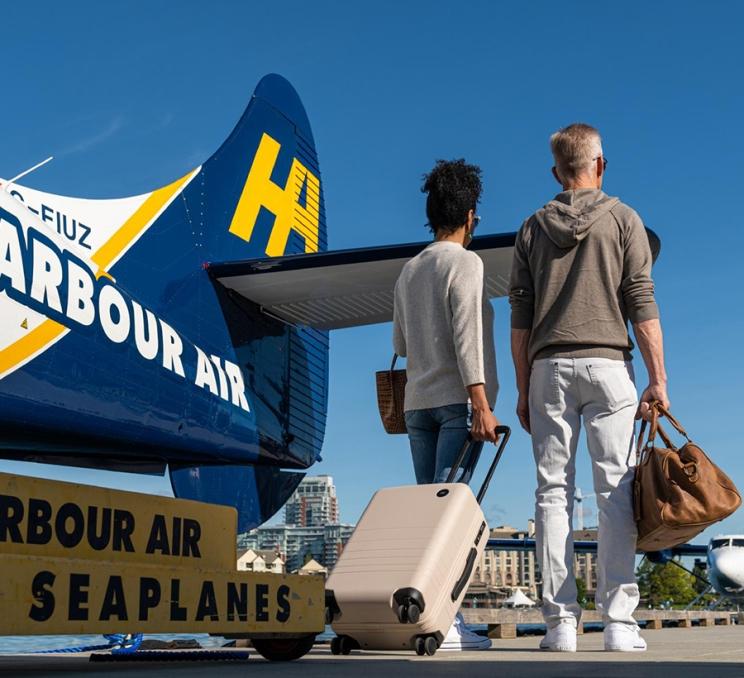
(21, 644)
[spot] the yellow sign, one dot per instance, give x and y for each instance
(51, 518)
(80, 559)
(289, 215)
(57, 595)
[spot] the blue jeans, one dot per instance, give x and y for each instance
(436, 436)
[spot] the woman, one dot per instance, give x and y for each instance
(443, 325)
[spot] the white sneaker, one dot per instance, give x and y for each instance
(460, 637)
(561, 638)
(619, 637)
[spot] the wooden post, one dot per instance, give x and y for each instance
(502, 630)
(685, 623)
(707, 621)
(654, 624)
(580, 628)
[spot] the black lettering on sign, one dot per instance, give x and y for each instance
(207, 603)
(262, 602)
(114, 602)
(41, 590)
(176, 534)
(99, 538)
(11, 514)
(282, 600)
(149, 596)
(38, 529)
(69, 512)
(78, 597)
(122, 531)
(158, 540)
(177, 613)
(191, 536)
(237, 601)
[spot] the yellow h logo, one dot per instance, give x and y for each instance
(260, 191)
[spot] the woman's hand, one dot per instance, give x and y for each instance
(484, 425)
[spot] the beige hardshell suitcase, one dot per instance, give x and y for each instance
(403, 574)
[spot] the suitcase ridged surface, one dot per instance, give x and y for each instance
(418, 537)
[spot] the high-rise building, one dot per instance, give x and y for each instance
(313, 503)
(297, 544)
(311, 529)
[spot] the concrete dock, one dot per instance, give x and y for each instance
(711, 652)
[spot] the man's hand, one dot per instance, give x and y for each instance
(484, 425)
(520, 341)
(653, 392)
(523, 412)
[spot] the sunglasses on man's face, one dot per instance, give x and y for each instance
(604, 161)
(476, 221)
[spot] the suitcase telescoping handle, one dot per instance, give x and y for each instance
(504, 432)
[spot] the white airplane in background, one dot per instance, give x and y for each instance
(726, 567)
(724, 554)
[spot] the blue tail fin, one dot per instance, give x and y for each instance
(261, 196)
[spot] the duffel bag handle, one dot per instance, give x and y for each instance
(504, 432)
(657, 411)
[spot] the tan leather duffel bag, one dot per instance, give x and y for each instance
(678, 492)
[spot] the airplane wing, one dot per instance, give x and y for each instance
(591, 547)
(345, 288)
(349, 288)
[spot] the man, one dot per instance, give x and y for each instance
(581, 270)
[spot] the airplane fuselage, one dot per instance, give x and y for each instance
(726, 565)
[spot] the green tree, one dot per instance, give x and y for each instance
(581, 591)
(700, 570)
(668, 582)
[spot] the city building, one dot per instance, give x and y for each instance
(499, 574)
(585, 564)
(299, 544)
(313, 503)
(313, 568)
(311, 531)
(257, 560)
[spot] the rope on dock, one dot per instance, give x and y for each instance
(119, 644)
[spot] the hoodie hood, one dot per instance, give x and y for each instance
(568, 218)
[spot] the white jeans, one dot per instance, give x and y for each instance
(602, 392)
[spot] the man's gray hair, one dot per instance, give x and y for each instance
(574, 149)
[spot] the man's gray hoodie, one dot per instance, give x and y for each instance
(581, 270)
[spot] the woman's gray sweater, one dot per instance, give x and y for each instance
(443, 325)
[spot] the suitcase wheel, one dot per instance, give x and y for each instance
(409, 613)
(408, 604)
(426, 645)
(343, 645)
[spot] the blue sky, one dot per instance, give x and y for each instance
(129, 96)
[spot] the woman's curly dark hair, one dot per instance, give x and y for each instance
(453, 189)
